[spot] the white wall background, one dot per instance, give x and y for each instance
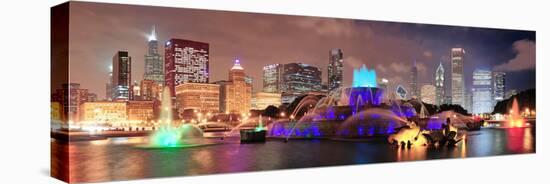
(24, 91)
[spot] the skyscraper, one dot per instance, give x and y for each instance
(413, 84)
(154, 67)
(499, 86)
(335, 69)
(457, 76)
(109, 86)
(427, 94)
(236, 94)
(440, 85)
(291, 78)
(301, 78)
(122, 76)
(185, 61)
(482, 101)
(71, 97)
(272, 78)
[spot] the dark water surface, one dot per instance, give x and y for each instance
(121, 159)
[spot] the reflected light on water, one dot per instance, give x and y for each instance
(408, 154)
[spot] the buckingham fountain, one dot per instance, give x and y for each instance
(360, 111)
(355, 112)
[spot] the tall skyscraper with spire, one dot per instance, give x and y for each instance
(439, 85)
(457, 76)
(413, 85)
(335, 69)
(154, 66)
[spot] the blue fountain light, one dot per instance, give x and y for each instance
(363, 77)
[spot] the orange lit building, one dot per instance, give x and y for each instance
(203, 97)
(141, 111)
(103, 112)
(150, 90)
(261, 100)
(236, 94)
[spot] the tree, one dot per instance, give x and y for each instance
(271, 111)
(526, 99)
(456, 108)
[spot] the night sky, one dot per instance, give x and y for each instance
(97, 31)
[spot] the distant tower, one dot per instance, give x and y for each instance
(499, 86)
(439, 85)
(154, 66)
(413, 85)
(335, 69)
(482, 101)
(122, 76)
(457, 76)
(109, 86)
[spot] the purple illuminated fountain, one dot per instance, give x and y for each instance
(341, 113)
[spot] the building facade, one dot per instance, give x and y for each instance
(109, 86)
(301, 78)
(185, 61)
(140, 111)
(202, 97)
(457, 76)
(292, 78)
(150, 90)
(499, 86)
(261, 100)
(154, 65)
(335, 69)
(70, 96)
(440, 85)
(122, 76)
(236, 93)
(428, 94)
(272, 78)
(109, 113)
(482, 100)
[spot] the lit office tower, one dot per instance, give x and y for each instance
(236, 94)
(185, 61)
(482, 101)
(291, 78)
(301, 78)
(413, 84)
(335, 69)
(427, 93)
(122, 76)
(272, 78)
(154, 67)
(499, 86)
(439, 85)
(109, 85)
(457, 76)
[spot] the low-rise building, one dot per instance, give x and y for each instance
(203, 97)
(261, 100)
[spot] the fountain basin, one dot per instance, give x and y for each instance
(253, 136)
(177, 146)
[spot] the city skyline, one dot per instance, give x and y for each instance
(387, 47)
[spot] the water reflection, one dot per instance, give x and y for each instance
(119, 159)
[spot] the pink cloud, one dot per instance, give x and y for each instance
(525, 57)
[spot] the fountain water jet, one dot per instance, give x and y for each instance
(514, 118)
(168, 135)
